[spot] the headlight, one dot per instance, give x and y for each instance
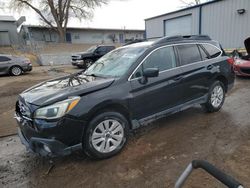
(56, 110)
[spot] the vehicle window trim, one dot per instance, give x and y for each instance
(180, 66)
(206, 52)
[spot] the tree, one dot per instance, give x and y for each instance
(56, 13)
(189, 3)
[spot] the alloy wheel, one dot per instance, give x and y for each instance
(107, 136)
(217, 96)
(16, 71)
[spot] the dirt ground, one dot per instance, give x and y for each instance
(154, 157)
(11, 86)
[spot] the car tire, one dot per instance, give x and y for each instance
(216, 97)
(16, 71)
(106, 135)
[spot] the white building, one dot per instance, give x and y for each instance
(31, 33)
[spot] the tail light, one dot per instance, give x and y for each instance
(27, 61)
(230, 60)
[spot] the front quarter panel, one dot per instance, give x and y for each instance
(116, 94)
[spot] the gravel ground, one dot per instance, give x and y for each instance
(154, 157)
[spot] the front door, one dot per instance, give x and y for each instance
(159, 93)
(4, 64)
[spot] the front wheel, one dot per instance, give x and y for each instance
(105, 135)
(216, 97)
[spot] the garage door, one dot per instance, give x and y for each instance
(178, 26)
(4, 38)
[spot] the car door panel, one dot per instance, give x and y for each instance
(196, 79)
(196, 71)
(4, 64)
(157, 94)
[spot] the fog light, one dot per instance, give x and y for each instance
(46, 148)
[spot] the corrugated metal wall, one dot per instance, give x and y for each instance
(220, 20)
(155, 27)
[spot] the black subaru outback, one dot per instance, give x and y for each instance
(94, 110)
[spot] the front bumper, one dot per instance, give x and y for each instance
(27, 68)
(47, 147)
(43, 141)
(240, 71)
(77, 62)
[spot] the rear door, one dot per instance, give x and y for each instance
(4, 64)
(197, 70)
(159, 93)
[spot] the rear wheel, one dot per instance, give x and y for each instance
(105, 135)
(216, 97)
(16, 71)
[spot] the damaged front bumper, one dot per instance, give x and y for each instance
(47, 147)
(37, 143)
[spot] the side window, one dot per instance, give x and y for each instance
(212, 50)
(163, 59)
(188, 53)
(3, 59)
(204, 54)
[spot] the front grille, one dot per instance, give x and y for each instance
(23, 110)
(245, 70)
(74, 58)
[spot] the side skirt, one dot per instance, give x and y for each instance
(144, 121)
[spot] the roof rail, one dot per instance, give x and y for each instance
(181, 38)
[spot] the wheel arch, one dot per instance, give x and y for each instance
(224, 80)
(14, 66)
(115, 106)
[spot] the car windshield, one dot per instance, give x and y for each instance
(91, 49)
(115, 63)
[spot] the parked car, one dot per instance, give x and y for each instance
(242, 67)
(14, 65)
(87, 58)
(125, 89)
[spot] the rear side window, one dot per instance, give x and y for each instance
(212, 50)
(3, 59)
(204, 55)
(163, 59)
(188, 53)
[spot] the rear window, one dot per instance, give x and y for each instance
(212, 50)
(188, 53)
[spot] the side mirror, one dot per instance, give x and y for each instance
(151, 72)
(147, 73)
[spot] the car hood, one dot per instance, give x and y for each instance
(243, 63)
(55, 90)
(83, 54)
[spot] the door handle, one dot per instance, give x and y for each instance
(177, 78)
(209, 67)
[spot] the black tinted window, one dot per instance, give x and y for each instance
(188, 53)
(204, 55)
(3, 58)
(163, 59)
(212, 50)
